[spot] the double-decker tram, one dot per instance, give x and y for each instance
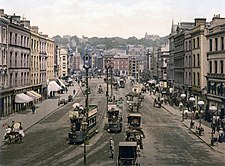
(77, 117)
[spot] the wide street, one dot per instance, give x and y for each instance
(167, 141)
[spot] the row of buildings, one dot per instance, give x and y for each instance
(29, 60)
(196, 59)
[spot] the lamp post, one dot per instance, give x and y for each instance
(192, 100)
(183, 97)
(201, 105)
(111, 72)
(212, 109)
(107, 85)
(86, 66)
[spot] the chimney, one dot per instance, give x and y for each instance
(25, 23)
(216, 16)
(199, 21)
(2, 12)
(35, 29)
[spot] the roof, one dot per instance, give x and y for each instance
(134, 114)
(128, 144)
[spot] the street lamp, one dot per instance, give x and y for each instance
(183, 97)
(192, 100)
(111, 72)
(201, 105)
(107, 84)
(212, 109)
(86, 66)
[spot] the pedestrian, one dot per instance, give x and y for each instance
(74, 92)
(33, 109)
(111, 147)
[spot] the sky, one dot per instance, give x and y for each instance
(111, 18)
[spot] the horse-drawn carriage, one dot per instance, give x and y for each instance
(128, 154)
(134, 131)
(13, 133)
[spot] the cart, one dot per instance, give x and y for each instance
(128, 154)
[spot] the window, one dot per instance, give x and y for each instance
(15, 39)
(215, 66)
(198, 75)
(210, 66)
(194, 77)
(189, 61)
(21, 60)
(189, 45)
(10, 60)
(193, 60)
(64, 58)
(22, 83)
(210, 45)
(10, 38)
(193, 43)
(222, 43)
(10, 79)
(32, 44)
(21, 42)
(198, 44)
(198, 59)
(4, 36)
(186, 46)
(221, 66)
(216, 44)
(16, 59)
(16, 77)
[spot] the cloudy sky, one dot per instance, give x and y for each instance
(110, 18)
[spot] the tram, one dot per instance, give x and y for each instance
(77, 117)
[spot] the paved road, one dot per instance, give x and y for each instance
(169, 142)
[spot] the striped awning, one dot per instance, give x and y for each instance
(22, 98)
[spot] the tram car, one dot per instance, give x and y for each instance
(115, 121)
(78, 131)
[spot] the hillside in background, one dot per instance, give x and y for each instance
(73, 42)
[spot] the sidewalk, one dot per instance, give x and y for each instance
(28, 119)
(206, 137)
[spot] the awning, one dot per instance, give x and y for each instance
(61, 83)
(31, 95)
(53, 86)
(36, 94)
(22, 98)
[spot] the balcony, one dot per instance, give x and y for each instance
(216, 75)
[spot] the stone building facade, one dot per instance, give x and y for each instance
(215, 62)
